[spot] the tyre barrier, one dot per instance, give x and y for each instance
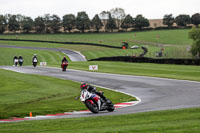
(74, 43)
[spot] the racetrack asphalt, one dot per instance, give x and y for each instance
(155, 93)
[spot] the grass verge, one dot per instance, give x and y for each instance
(141, 69)
(51, 57)
(179, 37)
(185, 72)
(171, 121)
(24, 93)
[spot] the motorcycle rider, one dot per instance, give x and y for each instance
(64, 59)
(34, 59)
(92, 89)
(15, 60)
(20, 60)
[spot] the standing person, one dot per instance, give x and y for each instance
(15, 60)
(34, 60)
(20, 60)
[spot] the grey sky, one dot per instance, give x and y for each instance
(151, 9)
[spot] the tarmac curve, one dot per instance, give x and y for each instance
(155, 93)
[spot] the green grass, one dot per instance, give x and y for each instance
(143, 69)
(24, 93)
(178, 37)
(51, 57)
(174, 37)
(89, 52)
(171, 121)
(186, 72)
(177, 42)
(92, 52)
(53, 45)
(169, 52)
(13, 85)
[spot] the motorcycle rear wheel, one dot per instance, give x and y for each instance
(92, 107)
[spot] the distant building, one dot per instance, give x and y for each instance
(156, 23)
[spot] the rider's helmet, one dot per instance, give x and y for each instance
(84, 85)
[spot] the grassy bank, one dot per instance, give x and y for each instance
(143, 69)
(173, 121)
(176, 43)
(91, 52)
(178, 37)
(51, 57)
(24, 93)
(186, 72)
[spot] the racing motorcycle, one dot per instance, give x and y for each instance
(35, 62)
(21, 62)
(15, 62)
(95, 103)
(64, 65)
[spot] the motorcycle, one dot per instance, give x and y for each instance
(64, 65)
(35, 62)
(95, 103)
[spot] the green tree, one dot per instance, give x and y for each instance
(183, 20)
(141, 22)
(19, 19)
(104, 15)
(111, 25)
(39, 24)
(2, 24)
(55, 23)
(13, 24)
(27, 24)
(118, 14)
(96, 23)
(195, 19)
(128, 22)
(6, 17)
(82, 21)
(69, 22)
(168, 20)
(195, 35)
(47, 21)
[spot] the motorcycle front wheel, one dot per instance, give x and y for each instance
(111, 108)
(34, 64)
(92, 107)
(64, 68)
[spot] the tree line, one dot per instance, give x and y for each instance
(115, 19)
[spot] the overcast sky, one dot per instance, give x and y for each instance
(151, 9)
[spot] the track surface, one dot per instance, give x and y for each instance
(155, 93)
(74, 56)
